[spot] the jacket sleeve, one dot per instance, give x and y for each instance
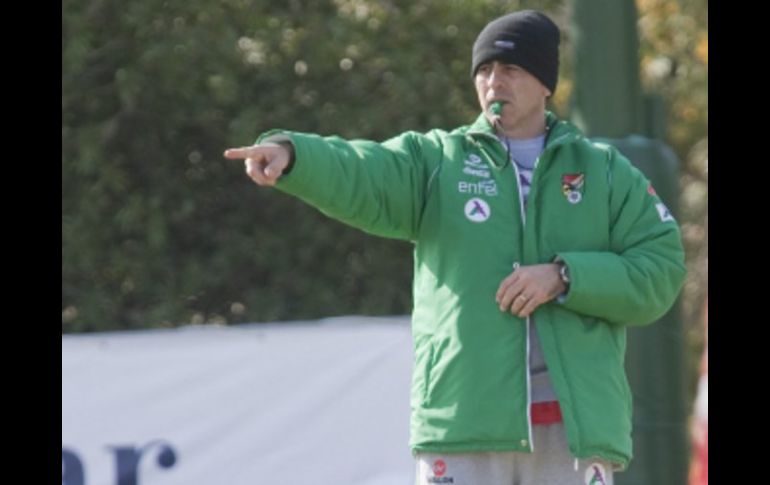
(639, 278)
(376, 187)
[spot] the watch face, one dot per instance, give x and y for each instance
(564, 273)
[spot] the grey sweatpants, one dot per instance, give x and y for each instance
(550, 464)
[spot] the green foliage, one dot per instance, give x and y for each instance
(674, 62)
(158, 229)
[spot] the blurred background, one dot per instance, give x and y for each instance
(160, 231)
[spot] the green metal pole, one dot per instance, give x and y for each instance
(607, 95)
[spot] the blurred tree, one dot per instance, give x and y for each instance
(159, 230)
(674, 63)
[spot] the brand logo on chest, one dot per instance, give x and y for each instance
(482, 187)
(474, 166)
(477, 210)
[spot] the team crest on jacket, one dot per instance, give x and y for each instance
(572, 185)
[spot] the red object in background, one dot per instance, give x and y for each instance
(699, 466)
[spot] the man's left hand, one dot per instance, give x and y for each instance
(528, 287)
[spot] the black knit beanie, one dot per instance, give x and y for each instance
(527, 38)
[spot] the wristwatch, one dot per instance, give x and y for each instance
(564, 273)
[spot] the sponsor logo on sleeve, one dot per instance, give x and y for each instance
(663, 212)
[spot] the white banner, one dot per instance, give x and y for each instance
(309, 402)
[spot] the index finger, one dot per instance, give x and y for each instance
(242, 152)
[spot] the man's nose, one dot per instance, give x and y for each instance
(495, 75)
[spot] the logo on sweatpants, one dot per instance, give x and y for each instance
(439, 470)
(595, 474)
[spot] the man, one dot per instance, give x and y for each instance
(534, 249)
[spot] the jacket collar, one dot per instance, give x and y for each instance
(558, 131)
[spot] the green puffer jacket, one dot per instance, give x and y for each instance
(455, 195)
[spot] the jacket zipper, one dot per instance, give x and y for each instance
(515, 266)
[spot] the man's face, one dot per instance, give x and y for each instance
(522, 94)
